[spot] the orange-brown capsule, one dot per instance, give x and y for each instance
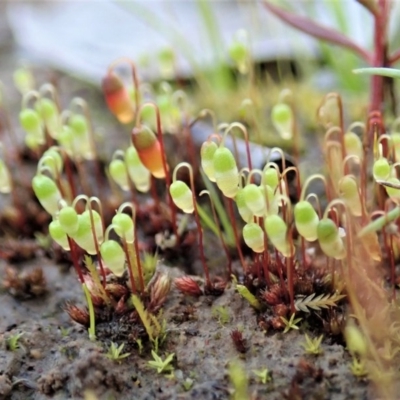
(149, 150)
(117, 98)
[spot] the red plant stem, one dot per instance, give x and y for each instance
(233, 219)
(96, 245)
(128, 259)
(280, 269)
(68, 171)
(75, 260)
(266, 259)
(138, 262)
(165, 167)
(200, 231)
(395, 57)
(289, 272)
(154, 193)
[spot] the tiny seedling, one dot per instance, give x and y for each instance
(140, 345)
(64, 331)
(161, 365)
(114, 352)
(264, 375)
(313, 346)
(357, 368)
(291, 323)
(13, 341)
(187, 384)
(221, 313)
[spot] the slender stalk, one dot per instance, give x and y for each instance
(92, 327)
(75, 262)
(235, 233)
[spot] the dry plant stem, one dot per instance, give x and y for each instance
(164, 162)
(220, 235)
(235, 233)
(134, 78)
(75, 262)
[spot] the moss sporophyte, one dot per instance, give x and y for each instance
(298, 256)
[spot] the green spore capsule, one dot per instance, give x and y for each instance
(32, 124)
(253, 236)
(306, 220)
(81, 138)
(138, 173)
(396, 145)
(381, 169)
(123, 227)
(226, 172)
(57, 233)
(68, 219)
(52, 159)
(207, 152)
(113, 256)
(282, 119)
(84, 236)
(353, 145)
(119, 173)
(392, 192)
(349, 192)
(48, 111)
(46, 192)
(329, 239)
(271, 177)
(254, 198)
(276, 230)
(182, 196)
(243, 209)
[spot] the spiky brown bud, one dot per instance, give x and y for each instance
(271, 298)
(281, 310)
(238, 341)
(77, 314)
(159, 291)
(121, 306)
(277, 323)
(187, 285)
(116, 290)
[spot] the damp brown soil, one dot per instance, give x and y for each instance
(56, 359)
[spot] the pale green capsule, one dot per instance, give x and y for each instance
(349, 192)
(353, 145)
(276, 230)
(207, 152)
(381, 169)
(244, 211)
(138, 173)
(48, 111)
(253, 236)
(81, 137)
(396, 145)
(84, 236)
(282, 119)
(123, 226)
(271, 177)
(57, 233)
(182, 196)
(393, 193)
(119, 173)
(46, 192)
(226, 172)
(5, 180)
(255, 200)
(52, 159)
(306, 220)
(66, 139)
(32, 124)
(329, 239)
(68, 219)
(113, 256)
